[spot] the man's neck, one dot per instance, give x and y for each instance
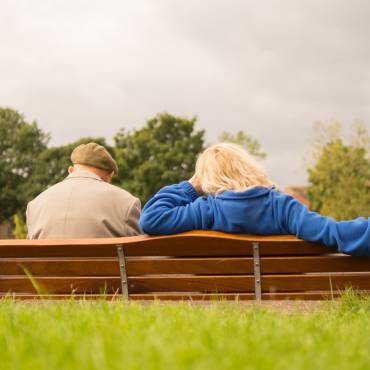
(103, 175)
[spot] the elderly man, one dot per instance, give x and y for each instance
(85, 204)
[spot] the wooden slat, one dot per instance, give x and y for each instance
(177, 296)
(245, 283)
(60, 266)
(189, 283)
(135, 266)
(205, 266)
(64, 285)
(312, 296)
(244, 265)
(27, 296)
(59, 250)
(305, 264)
(196, 243)
(311, 282)
(235, 296)
(195, 246)
(200, 234)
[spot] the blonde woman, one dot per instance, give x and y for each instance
(242, 199)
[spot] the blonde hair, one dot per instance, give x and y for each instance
(225, 166)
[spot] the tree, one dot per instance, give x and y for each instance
(20, 144)
(340, 178)
(164, 151)
(251, 145)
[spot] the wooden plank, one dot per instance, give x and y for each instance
(184, 296)
(188, 283)
(27, 296)
(235, 296)
(320, 281)
(191, 283)
(66, 285)
(244, 265)
(196, 243)
(59, 250)
(181, 247)
(193, 246)
(177, 296)
(135, 266)
(60, 266)
(205, 266)
(198, 266)
(245, 283)
(202, 234)
(306, 264)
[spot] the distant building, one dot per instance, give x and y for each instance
(299, 193)
(6, 231)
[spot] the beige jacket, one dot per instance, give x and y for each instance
(83, 206)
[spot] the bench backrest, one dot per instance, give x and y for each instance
(194, 265)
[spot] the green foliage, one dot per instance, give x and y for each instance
(340, 179)
(224, 336)
(27, 165)
(20, 144)
(164, 151)
(247, 142)
(20, 228)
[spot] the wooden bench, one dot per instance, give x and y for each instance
(198, 265)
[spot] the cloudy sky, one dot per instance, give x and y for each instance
(270, 68)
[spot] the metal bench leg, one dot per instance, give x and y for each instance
(257, 271)
(123, 271)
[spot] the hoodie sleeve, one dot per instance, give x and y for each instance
(174, 209)
(350, 237)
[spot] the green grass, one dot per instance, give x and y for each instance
(103, 335)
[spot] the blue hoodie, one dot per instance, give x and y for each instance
(263, 211)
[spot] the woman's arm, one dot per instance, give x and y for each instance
(174, 209)
(350, 237)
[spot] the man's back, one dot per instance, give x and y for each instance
(83, 206)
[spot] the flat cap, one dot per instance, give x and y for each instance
(94, 155)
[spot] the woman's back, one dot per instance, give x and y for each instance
(259, 210)
(243, 200)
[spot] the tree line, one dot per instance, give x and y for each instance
(164, 151)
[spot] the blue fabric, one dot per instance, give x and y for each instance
(178, 208)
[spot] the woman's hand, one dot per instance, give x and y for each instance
(197, 185)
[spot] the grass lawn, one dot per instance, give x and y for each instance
(102, 335)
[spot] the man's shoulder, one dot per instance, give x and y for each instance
(117, 191)
(99, 189)
(50, 190)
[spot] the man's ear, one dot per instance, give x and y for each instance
(71, 169)
(111, 175)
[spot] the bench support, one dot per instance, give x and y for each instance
(257, 271)
(123, 271)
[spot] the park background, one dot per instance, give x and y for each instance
(157, 81)
(88, 68)
(284, 79)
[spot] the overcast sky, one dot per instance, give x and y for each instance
(270, 68)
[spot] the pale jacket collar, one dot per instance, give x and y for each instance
(83, 174)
